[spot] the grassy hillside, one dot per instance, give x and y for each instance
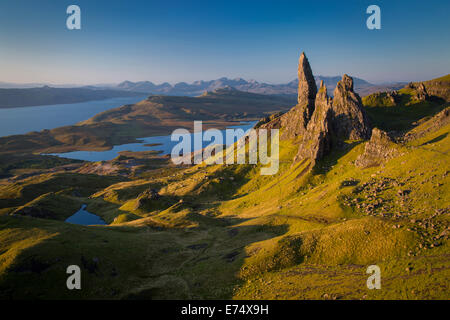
(227, 232)
(252, 236)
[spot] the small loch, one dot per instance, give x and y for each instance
(163, 144)
(85, 218)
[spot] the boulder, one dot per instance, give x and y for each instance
(379, 148)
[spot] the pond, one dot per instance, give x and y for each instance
(85, 218)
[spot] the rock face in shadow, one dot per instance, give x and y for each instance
(349, 119)
(296, 120)
(316, 141)
(379, 148)
(421, 93)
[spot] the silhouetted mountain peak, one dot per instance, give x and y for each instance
(198, 87)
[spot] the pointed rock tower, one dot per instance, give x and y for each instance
(349, 118)
(296, 120)
(307, 89)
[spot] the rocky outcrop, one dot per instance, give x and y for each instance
(316, 142)
(270, 122)
(349, 120)
(146, 198)
(296, 120)
(393, 97)
(150, 194)
(421, 93)
(379, 149)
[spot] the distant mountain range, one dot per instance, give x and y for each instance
(198, 87)
(33, 94)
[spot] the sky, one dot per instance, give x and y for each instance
(173, 41)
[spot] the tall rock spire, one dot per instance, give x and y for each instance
(296, 120)
(307, 88)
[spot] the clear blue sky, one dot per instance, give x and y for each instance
(190, 40)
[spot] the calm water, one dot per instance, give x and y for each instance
(23, 120)
(85, 218)
(165, 146)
